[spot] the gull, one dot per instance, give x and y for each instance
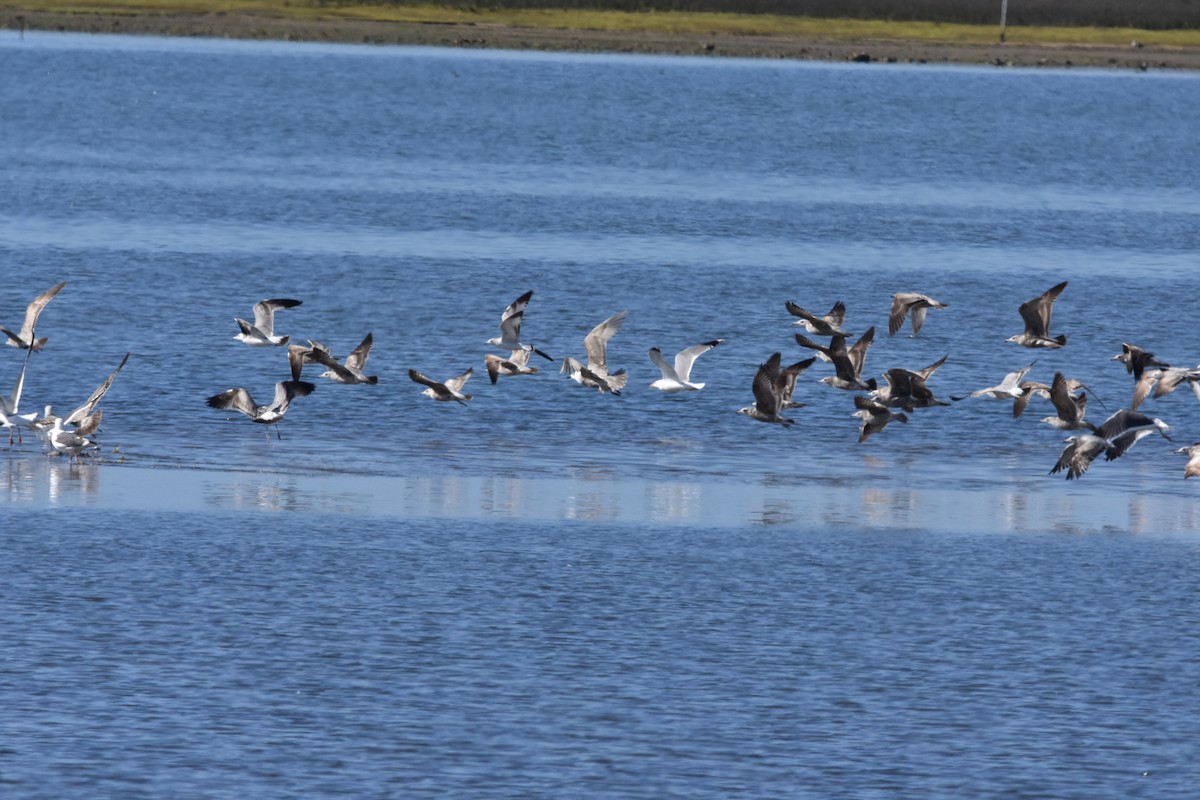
(63, 441)
(26, 338)
(875, 416)
(10, 407)
(262, 332)
(516, 364)
(270, 414)
(596, 374)
(85, 418)
(1070, 407)
(349, 372)
(1007, 389)
(510, 327)
(1036, 313)
(1165, 381)
(787, 382)
(902, 303)
(827, 325)
(677, 378)
(1113, 437)
(768, 387)
(1193, 465)
(1136, 359)
(848, 362)
(451, 389)
(906, 389)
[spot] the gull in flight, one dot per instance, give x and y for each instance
(516, 364)
(1113, 438)
(769, 387)
(1136, 359)
(1070, 407)
(918, 304)
(678, 378)
(1193, 465)
(270, 414)
(847, 362)
(451, 389)
(510, 327)
(10, 408)
(874, 415)
(25, 339)
(1164, 381)
(349, 372)
(1008, 389)
(262, 332)
(906, 388)
(86, 418)
(828, 325)
(596, 374)
(1036, 313)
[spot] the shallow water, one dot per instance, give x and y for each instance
(551, 592)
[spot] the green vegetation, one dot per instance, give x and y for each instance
(952, 21)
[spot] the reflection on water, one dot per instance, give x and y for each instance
(51, 481)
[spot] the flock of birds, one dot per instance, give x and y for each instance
(773, 386)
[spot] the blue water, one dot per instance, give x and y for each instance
(551, 592)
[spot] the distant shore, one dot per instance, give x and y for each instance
(240, 25)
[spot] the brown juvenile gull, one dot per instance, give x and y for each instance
(678, 377)
(1036, 313)
(262, 332)
(1193, 465)
(1113, 437)
(25, 339)
(1070, 407)
(1078, 455)
(787, 382)
(1007, 389)
(875, 416)
(510, 327)
(769, 386)
(595, 374)
(1136, 359)
(450, 389)
(1165, 381)
(847, 362)
(828, 325)
(516, 364)
(906, 389)
(349, 372)
(271, 414)
(903, 303)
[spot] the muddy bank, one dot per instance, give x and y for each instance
(250, 26)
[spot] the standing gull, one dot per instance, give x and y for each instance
(677, 378)
(1036, 313)
(450, 389)
(596, 374)
(10, 407)
(510, 327)
(262, 332)
(270, 414)
(903, 303)
(25, 339)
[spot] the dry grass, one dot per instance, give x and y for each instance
(679, 21)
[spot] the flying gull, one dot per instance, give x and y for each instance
(25, 339)
(510, 327)
(677, 378)
(1008, 389)
(828, 325)
(875, 416)
(1113, 438)
(903, 303)
(847, 362)
(1165, 381)
(262, 332)
(451, 389)
(516, 364)
(1136, 359)
(906, 389)
(271, 414)
(1070, 407)
(768, 387)
(1036, 313)
(349, 372)
(1193, 465)
(595, 374)
(86, 418)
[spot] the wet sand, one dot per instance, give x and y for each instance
(249, 26)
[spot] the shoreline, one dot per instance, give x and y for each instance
(239, 25)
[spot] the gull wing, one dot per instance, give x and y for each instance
(234, 400)
(858, 353)
(684, 359)
(264, 313)
(766, 392)
(456, 383)
(358, 356)
(668, 372)
(1036, 312)
(516, 307)
(510, 327)
(900, 305)
(596, 342)
(34, 310)
(286, 391)
(80, 413)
